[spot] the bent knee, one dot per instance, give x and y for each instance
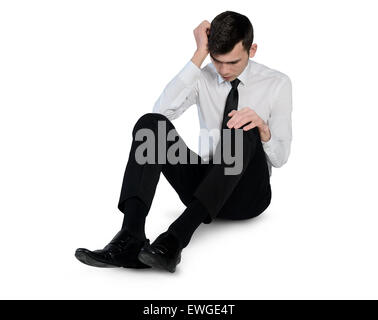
(148, 120)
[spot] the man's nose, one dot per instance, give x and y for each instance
(224, 69)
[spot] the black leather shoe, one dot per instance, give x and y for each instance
(163, 253)
(122, 251)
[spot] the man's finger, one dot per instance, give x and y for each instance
(234, 119)
(249, 127)
(241, 123)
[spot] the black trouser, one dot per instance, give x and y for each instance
(240, 196)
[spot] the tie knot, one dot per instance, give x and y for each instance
(235, 83)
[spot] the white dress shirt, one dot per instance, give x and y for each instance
(267, 91)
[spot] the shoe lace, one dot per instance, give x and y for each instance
(119, 244)
(163, 249)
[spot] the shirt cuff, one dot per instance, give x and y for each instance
(190, 73)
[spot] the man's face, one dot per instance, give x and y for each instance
(232, 64)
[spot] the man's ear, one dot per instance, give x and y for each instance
(253, 50)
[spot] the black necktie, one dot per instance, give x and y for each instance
(231, 102)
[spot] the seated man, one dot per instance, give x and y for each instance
(261, 118)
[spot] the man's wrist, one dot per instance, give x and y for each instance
(265, 133)
(199, 57)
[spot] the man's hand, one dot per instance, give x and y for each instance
(245, 115)
(201, 36)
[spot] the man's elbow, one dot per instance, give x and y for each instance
(164, 111)
(282, 157)
(278, 163)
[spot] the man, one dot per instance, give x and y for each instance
(232, 93)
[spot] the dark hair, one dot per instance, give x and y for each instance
(226, 30)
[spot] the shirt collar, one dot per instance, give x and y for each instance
(242, 77)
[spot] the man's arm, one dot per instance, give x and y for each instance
(278, 146)
(182, 91)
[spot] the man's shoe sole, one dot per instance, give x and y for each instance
(85, 256)
(155, 261)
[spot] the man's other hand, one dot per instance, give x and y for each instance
(201, 34)
(246, 115)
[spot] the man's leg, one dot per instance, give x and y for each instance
(230, 196)
(140, 180)
(207, 199)
(206, 202)
(252, 194)
(217, 187)
(138, 189)
(204, 188)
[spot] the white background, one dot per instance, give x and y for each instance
(74, 78)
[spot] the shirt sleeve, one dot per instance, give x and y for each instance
(279, 122)
(180, 93)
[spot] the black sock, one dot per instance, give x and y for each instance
(135, 212)
(185, 225)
